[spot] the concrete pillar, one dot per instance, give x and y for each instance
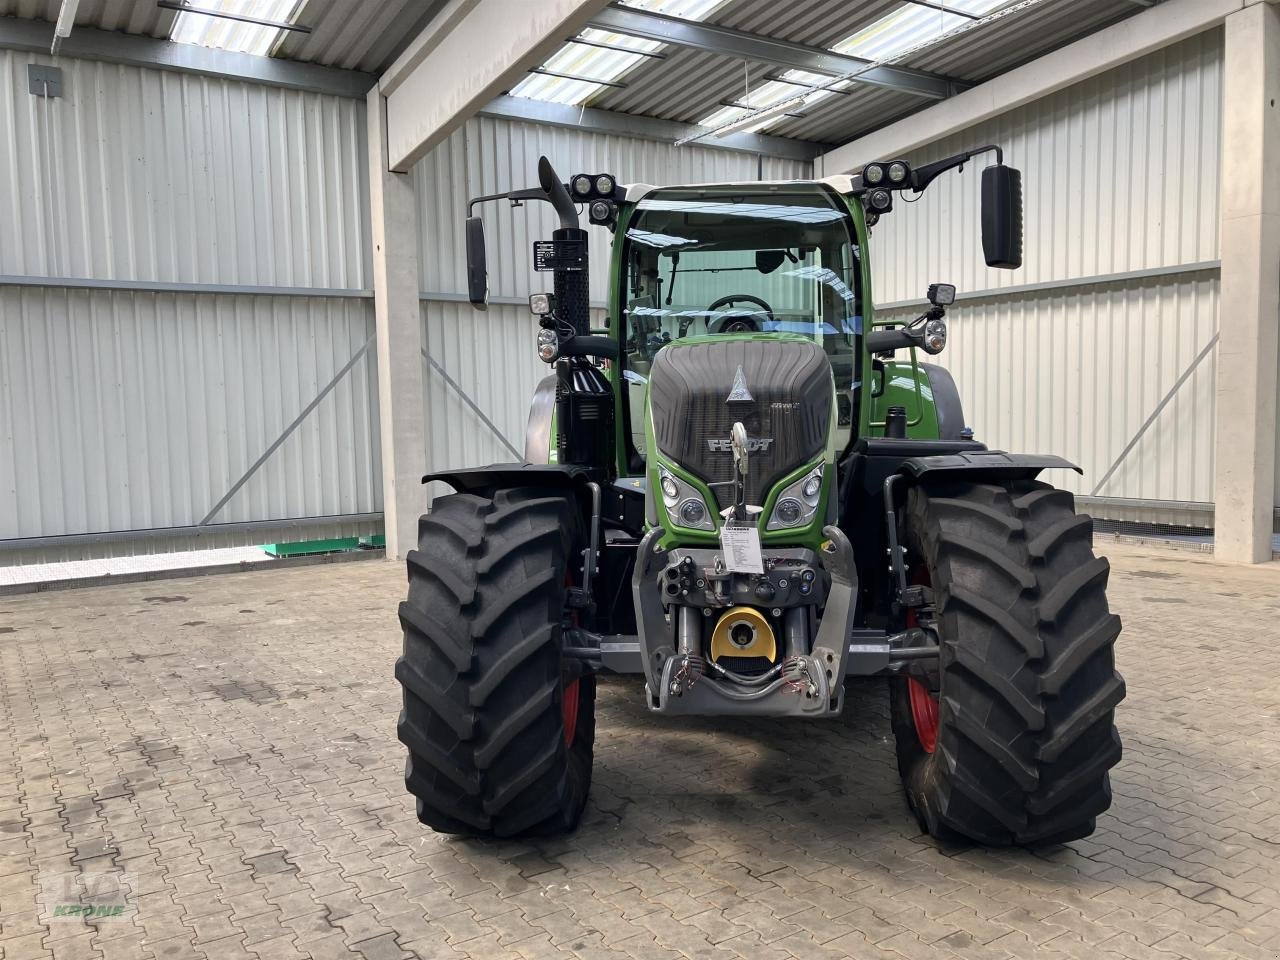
(394, 218)
(1249, 302)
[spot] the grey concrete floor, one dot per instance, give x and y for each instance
(226, 745)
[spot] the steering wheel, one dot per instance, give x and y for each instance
(741, 322)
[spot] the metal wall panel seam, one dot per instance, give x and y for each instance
(246, 289)
(1051, 286)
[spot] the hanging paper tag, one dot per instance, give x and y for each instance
(741, 546)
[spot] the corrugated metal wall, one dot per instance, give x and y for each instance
(140, 174)
(140, 409)
(186, 276)
(131, 410)
(1121, 174)
(491, 354)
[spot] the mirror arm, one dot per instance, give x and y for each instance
(921, 177)
(515, 196)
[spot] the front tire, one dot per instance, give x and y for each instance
(500, 730)
(1022, 733)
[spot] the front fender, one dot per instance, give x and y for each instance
(503, 476)
(984, 465)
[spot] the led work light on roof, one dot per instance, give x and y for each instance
(898, 173)
(873, 174)
(604, 184)
(880, 200)
(602, 212)
(582, 185)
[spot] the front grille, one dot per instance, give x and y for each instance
(791, 394)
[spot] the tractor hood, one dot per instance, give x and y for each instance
(780, 388)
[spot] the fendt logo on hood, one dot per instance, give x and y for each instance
(754, 445)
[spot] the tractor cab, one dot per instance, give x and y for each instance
(738, 260)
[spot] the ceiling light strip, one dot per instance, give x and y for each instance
(773, 110)
(228, 15)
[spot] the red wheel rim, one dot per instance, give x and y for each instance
(924, 711)
(569, 711)
(924, 705)
(569, 691)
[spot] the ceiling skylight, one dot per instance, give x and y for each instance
(906, 27)
(235, 35)
(579, 70)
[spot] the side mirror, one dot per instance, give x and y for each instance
(477, 268)
(1002, 216)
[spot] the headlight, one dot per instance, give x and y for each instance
(788, 511)
(684, 504)
(798, 502)
(693, 512)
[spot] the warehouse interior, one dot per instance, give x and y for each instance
(212, 371)
(235, 335)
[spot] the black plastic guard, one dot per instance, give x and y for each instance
(984, 465)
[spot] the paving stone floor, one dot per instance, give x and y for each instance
(226, 745)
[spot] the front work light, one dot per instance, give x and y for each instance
(541, 304)
(942, 294)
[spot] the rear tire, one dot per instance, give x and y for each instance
(496, 744)
(1027, 686)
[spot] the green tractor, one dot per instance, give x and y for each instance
(746, 490)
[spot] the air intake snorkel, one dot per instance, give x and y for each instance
(570, 241)
(557, 194)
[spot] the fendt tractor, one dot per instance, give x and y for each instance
(745, 489)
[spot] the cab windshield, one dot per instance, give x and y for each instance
(709, 260)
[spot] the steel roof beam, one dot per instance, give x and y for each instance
(1127, 40)
(592, 120)
(469, 53)
(729, 42)
(36, 36)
